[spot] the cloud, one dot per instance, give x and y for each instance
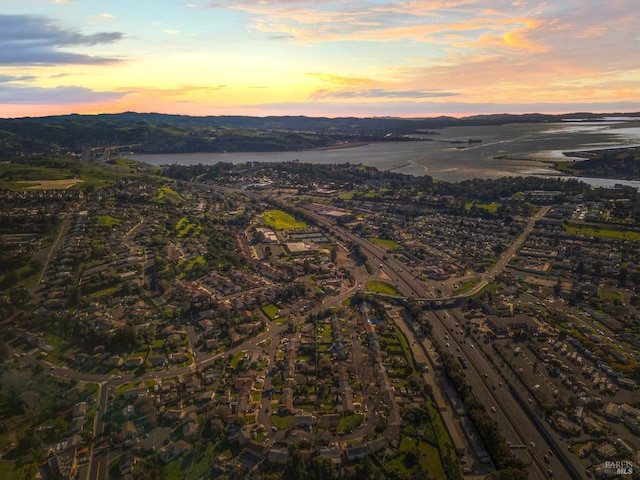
(171, 31)
(14, 78)
(62, 95)
(324, 94)
(101, 18)
(36, 40)
(423, 109)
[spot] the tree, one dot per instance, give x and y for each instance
(4, 351)
(321, 468)
(19, 297)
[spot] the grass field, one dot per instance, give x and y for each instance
(349, 422)
(271, 311)
(6, 469)
(108, 221)
(279, 220)
(282, 422)
(237, 358)
(489, 207)
(596, 231)
(427, 456)
(57, 174)
(168, 195)
(184, 227)
(468, 285)
(381, 287)
(388, 244)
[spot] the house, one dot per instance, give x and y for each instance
(241, 436)
(207, 397)
(378, 444)
(175, 414)
(135, 393)
(128, 411)
(156, 360)
(278, 456)
(134, 362)
(606, 451)
(126, 463)
(175, 451)
(193, 384)
(79, 410)
(332, 454)
(256, 451)
(189, 429)
(304, 419)
(286, 400)
(356, 453)
(613, 412)
(503, 326)
(179, 357)
(126, 431)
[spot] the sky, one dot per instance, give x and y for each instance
(332, 58)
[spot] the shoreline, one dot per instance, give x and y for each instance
(338, 146)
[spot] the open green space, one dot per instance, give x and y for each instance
(188, 264)
(489, 207)
(382, 287)
(601, 232)
(6, 469)
(279, 220)
(610, 294)
(282, 422)
(468, 285)
(108, 221)
(413, 452)
(490, 288)
(185, 227)
(62, 173)
(237, 358)
(271, 311)
(349, 423)
(388, 244)
(168, 195)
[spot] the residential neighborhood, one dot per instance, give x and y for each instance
(333, 318)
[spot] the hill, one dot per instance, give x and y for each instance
(90, 135)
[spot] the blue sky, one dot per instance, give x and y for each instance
(325, 57)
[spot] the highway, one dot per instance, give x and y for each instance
(514, 423)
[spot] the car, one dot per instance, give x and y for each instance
(550, 473)
(546, 458)
(493, 409)
(485, 375)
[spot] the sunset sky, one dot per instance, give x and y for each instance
(318, 58)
